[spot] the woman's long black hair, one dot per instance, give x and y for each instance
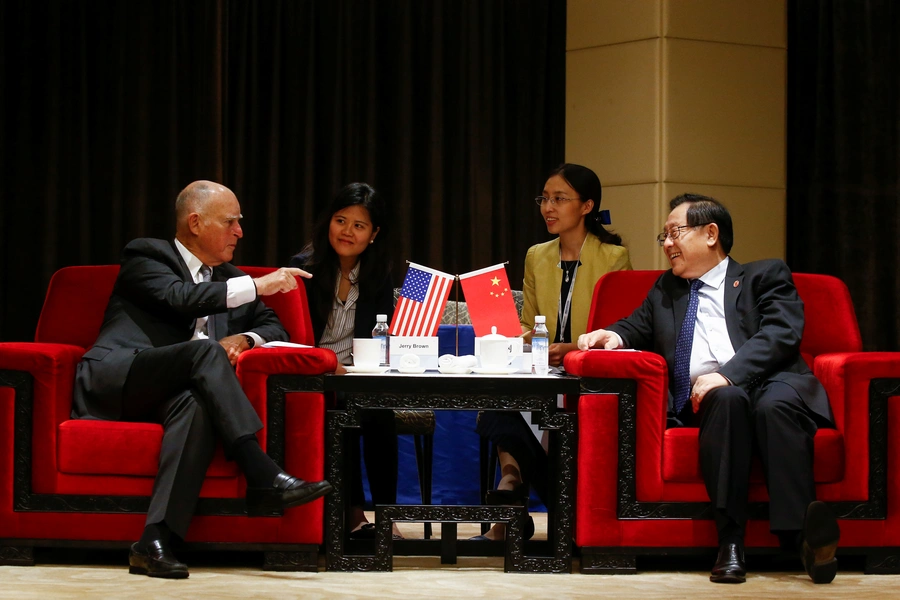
(322, 261)
(587, 184)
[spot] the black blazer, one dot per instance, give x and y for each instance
(370, 303)
(764, 316)
(155, 303)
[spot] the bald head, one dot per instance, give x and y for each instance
(194, 198)
(207, 217)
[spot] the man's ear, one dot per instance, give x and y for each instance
(193, 222)
(712, 235)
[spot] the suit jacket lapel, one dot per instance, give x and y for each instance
(182, 267)
(184, 272)
(547, 267)
(734, 286)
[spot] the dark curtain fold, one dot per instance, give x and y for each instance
(843, 188)
(453, 109)
(108, 109)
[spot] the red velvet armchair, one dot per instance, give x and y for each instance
(66, 482)
(639, 489)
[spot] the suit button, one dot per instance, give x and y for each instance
(135, 351)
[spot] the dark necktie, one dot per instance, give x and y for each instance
(683, 349)
(210, 328)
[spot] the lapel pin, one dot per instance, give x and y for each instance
(737, 283)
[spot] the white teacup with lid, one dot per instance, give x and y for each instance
(495, 351)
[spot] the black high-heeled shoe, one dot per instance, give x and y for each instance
(514, 497)
(517, 496)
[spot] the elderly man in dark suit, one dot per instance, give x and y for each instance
(178, 319)
(730, 334)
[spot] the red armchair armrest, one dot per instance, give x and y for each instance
(295, 374)
(848, 378)
(612, 381)
(52, 368)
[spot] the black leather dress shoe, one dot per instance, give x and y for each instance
(729, 567)
(286, 491)
(156, 561)
(820, 541)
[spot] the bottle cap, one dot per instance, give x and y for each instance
(540, 319)
(380, 317)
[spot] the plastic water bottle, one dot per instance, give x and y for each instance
(382, 332)
(540, 346)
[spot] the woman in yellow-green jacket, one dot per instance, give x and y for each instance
(560, 276)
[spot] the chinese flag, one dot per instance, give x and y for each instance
(490, 301)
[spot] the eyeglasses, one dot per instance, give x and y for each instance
(554, 201)
(675, 232)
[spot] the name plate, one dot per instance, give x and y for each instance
(426, 348)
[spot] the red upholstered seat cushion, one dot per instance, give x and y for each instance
(681, 461)
(89, 447)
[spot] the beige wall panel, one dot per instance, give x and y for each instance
(612, 111)
(724, 114)
(759, 216)
(635, 216)
(592, 23)
(753, 22)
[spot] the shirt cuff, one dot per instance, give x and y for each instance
(619, 337)
(241, 290)
(256, 338)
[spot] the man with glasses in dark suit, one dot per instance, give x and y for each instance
(730, 334)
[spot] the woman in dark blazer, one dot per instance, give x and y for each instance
(351, 284)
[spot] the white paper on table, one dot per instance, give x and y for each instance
(615, 349)
(285, 345)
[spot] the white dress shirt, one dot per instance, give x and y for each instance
(712, 346)
(240, 291)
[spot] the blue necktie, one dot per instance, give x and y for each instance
(683, 349)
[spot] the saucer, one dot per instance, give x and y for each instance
(362, 369)
(455, 370)
(495, 370)
(411, 370)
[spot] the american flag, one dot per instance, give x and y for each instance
(422, 300)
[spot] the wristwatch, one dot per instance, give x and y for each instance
(250, 341)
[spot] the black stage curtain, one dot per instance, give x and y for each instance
(453, 109)
(843, 154)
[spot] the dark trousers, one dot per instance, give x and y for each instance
(192, 390)
(379, 450)
(510, 431)
(774, 423)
